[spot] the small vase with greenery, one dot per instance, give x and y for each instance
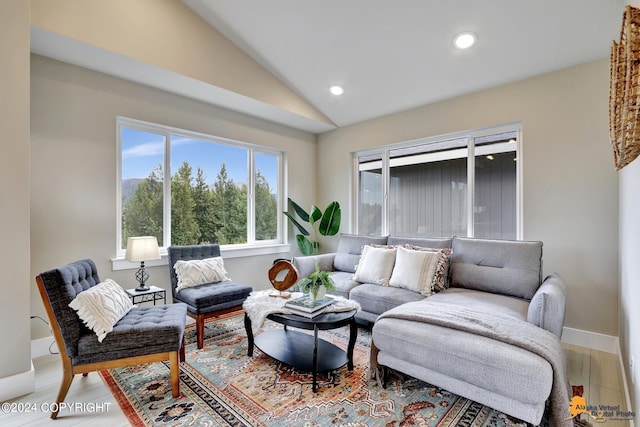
(312, 283)
(326, 223)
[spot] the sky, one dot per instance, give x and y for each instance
(143, 151)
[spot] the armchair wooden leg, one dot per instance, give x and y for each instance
(67, 378)
(182, 350)
(200, 331)
(175, 373)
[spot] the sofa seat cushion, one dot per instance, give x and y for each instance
(484, 301)
(377, 299)
(212, 297)
(344, 283)
(491, 365)
(160, 328)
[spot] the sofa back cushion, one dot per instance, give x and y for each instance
(499, 266)
(437, 243)
(350, 248)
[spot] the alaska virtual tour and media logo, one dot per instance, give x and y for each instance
(598, 413)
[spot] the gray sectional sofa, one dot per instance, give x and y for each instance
(492, 335)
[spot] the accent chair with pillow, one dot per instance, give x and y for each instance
(96, 326)
(199, 279)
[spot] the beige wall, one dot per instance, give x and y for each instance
(570, 187)
(629, 297)
(630, 278)
(73, 160)
(167, 34)
(16, 282)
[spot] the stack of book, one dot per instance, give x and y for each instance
(307, 307)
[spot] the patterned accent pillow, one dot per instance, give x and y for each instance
(414, 270)
(440, 277)
(199, 271)
(376, 265)
(101, 306)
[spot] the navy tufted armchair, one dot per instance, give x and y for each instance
(207, 300)
(143, 335)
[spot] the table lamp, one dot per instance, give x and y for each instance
(141, 249)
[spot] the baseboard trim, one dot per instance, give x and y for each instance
(590, 340)
(43, 346)
(625, 384)
(18, 384)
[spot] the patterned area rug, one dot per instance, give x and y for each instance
(222, 386)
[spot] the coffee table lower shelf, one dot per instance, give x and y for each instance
(296, 349)
(305, 351)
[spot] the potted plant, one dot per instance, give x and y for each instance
(317, 283)
(328, 225)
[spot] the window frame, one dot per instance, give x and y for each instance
(470, 135)
(252, 247)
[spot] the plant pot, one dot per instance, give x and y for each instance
(319, 294)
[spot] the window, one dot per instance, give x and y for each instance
(425, 188)
(187, 188)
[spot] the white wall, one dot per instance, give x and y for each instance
(570, 186)
(73, 160)
(16, 282)
(629, 321)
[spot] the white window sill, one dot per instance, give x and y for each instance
(120, 263)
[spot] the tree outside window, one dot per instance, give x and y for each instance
(219, 192)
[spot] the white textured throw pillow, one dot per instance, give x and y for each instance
(101, 306)
(415, 270)
(375, 266)
(199, 271)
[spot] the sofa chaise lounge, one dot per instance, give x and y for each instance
(465, 338)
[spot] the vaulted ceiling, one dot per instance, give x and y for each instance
(276, 59)
(394, 55)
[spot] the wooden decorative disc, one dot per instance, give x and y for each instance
(290, 279)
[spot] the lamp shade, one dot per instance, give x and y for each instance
(143, 248)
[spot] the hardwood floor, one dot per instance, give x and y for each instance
(89, 389)
(597, 371)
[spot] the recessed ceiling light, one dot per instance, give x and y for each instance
(336, 90)
(464, 40)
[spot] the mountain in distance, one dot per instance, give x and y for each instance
(129, 186)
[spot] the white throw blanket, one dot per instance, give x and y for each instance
(498, 327)
(259, 305)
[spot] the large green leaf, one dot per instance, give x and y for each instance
(299, 211)
(304, 245)
(299, 226)
(315, 215)
(330, 223)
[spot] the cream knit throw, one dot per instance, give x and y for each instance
(259, 305)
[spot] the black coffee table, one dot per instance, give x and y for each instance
(304, 351)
